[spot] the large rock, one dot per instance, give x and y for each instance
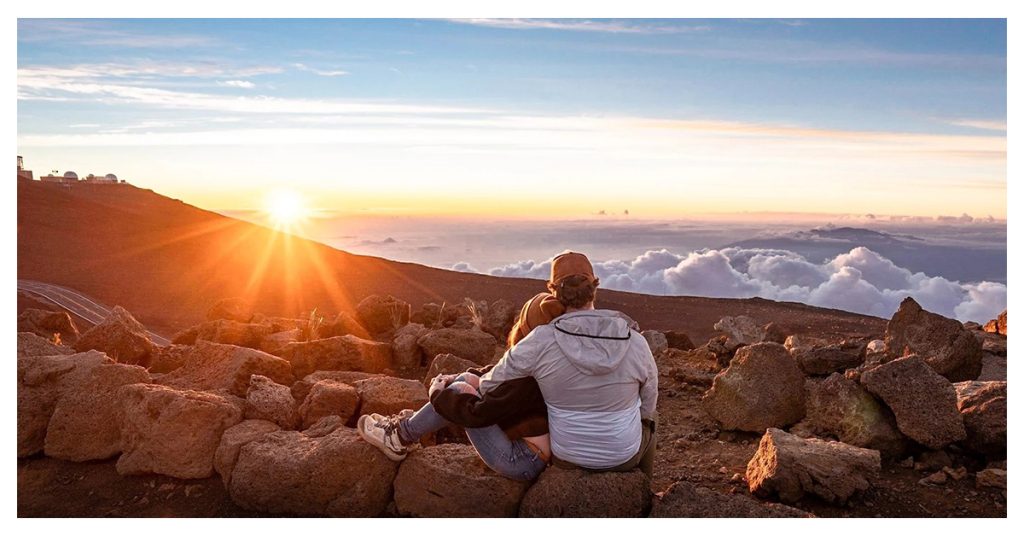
(940, 342)
(382, 314)
(791, 467)
(388, 396)
(471, 344)
(447, 364)
(47, 323)
(983, 407)
(497, 318)
(740, 330)
(824, 360)
(343, 324)
(316, 472)
(451, 481)
(171, 432)
(656, 340)
(119, 336)
(347, 352)
(275, 343)
(678, 340)
(329, 397)
(31, 345)
(236, 309)
(762, 388)
(684, 499)
(272, 402)
(575, 493)
(923, 401)
(86, 421)
(211, 366)
(406, 348)
(840, 407)
(997, 325)
(993, 368)
(168, 358)
(222, 331)
(232, 441)
(41, 383)
(302, 387)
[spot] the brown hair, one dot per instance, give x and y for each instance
(575, 291)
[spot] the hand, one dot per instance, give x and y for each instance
(437, 384)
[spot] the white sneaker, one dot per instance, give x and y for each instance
(382, 432)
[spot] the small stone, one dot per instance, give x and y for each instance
(936, 478)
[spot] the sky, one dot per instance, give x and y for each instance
(530, 118)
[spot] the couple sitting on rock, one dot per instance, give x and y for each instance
(578, 387)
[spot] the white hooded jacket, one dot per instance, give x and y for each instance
(598, 378)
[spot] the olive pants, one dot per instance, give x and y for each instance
(644, 458)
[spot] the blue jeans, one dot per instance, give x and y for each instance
(508, 458)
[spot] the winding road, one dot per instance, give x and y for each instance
(75, 302)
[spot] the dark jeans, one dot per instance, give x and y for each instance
(644, 458)
(510, 459)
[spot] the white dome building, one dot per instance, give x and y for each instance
(111, 177)
(70, 175)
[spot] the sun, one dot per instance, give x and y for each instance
(285, 208)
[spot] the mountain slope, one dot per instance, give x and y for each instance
(167, 262)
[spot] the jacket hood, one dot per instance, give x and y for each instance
(595, 342)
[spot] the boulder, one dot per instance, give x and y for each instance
(824, 360)
(576, 493)
(322, 471)
(171, 432)
(450, 480)
(942, 343)
(741, 330)
(447, 364)
(762, 388)
(991, 478)
(471, 344)
(497, 318)
(329, 397)
(272, 402)
(31, 345)
(86, 421)
(791, 467)
(275, 342)
(997, 325)
(388, 396)
(840, 407)
(923, 401)
(346, 352)
(382, 314)
(302, 387)
(211, 366)
(119, 336)
(41, 383)
(47, 323)
(231, 332)
(983, 408)
(236, 309)
(773, 333)
(406, 348)
(656, 340)
(343, 324)
(684, 499)
(169, 358)
(993, 368)
(678, 340)
(232, 441)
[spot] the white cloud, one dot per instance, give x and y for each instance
(320, 72)
(464, 267)
(859, 281)
(244, 84)
(577, 25)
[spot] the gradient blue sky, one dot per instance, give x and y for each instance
(665, 117)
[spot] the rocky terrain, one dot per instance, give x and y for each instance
(247, 414)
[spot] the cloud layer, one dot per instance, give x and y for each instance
(859, 281)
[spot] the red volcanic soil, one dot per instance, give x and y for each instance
(167, 262)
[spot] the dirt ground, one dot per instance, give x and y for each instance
(690, 448)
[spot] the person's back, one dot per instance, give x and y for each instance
(597, 375)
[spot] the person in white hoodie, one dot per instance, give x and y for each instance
(597, 375)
